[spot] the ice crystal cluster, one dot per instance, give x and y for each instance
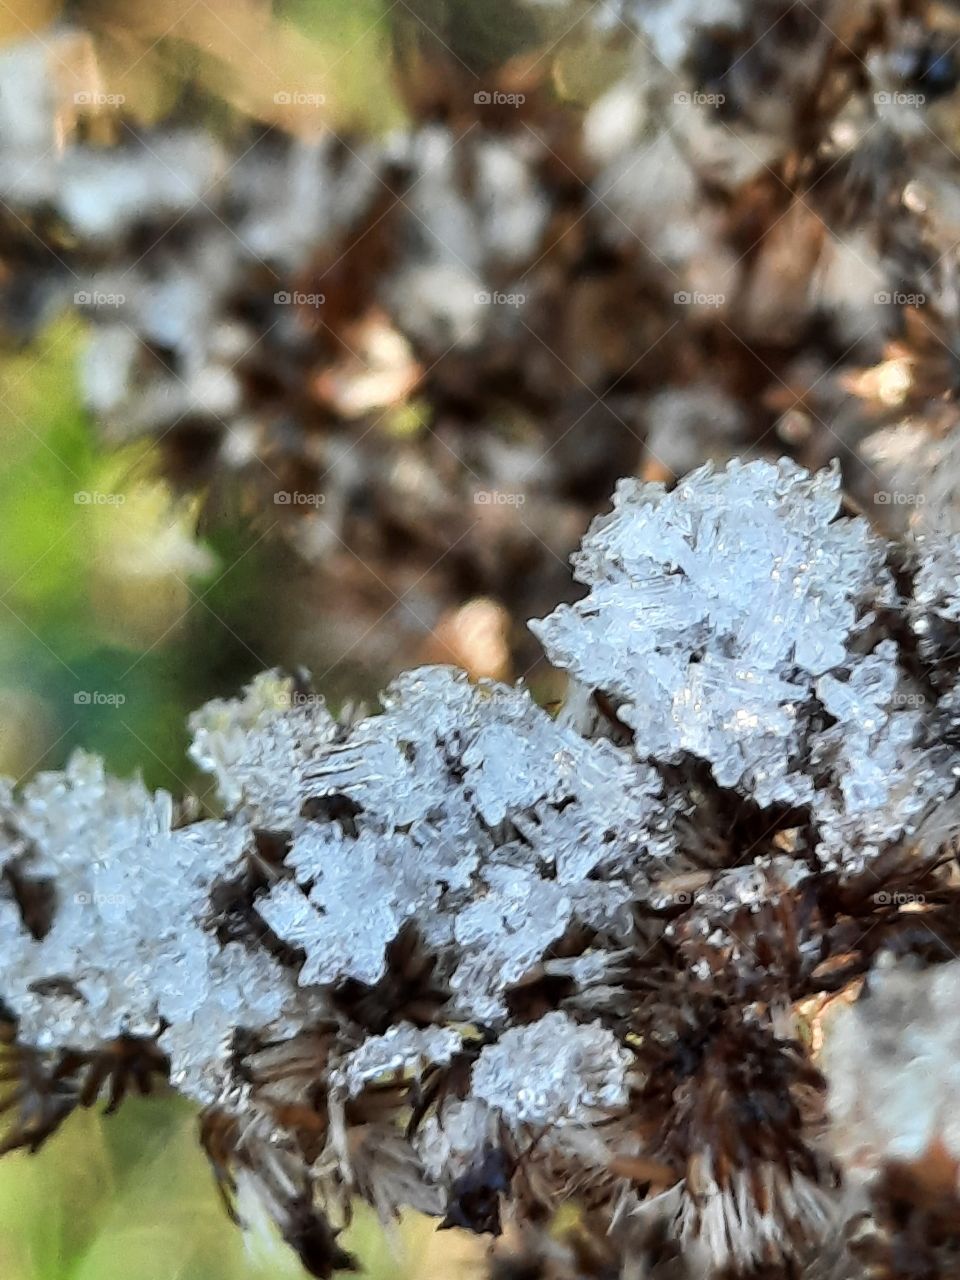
(466, 955)
(726, 617)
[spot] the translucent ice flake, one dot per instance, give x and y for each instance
(73, 817)
(240, 988)
(503, 934)
(255, 747)
(360, 893)
(404, 1049)
(461, 760)
(450, 1141)
(444, 745)
(934, 609)
(126, 945)
(936, 586)
(883, 778)
(478, 817)
(553, 1072)
(713, 608)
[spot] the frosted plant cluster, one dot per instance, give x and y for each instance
(477, 817)
(726, 616)
(127, 945)
(937, 556)
(467, 956)
(553, 1073)
(254, 747)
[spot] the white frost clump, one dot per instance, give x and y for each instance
(361, 893)
(553, 1072)
(401, 1050)
(476, 816)
(884, 780)
(76, 817)
(450, 1139)
(242, 988)
(936, 557)
(714, 608)
(126, 943)
(254, 747)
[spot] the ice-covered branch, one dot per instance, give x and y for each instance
(468, 957)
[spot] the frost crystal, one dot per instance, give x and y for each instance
(883, 780)
(403, 1049)
(361, 892)
(254, 746)
(449, 1142)
(553, 1072)
(712, 610)
(126, 946)
(477, 816)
